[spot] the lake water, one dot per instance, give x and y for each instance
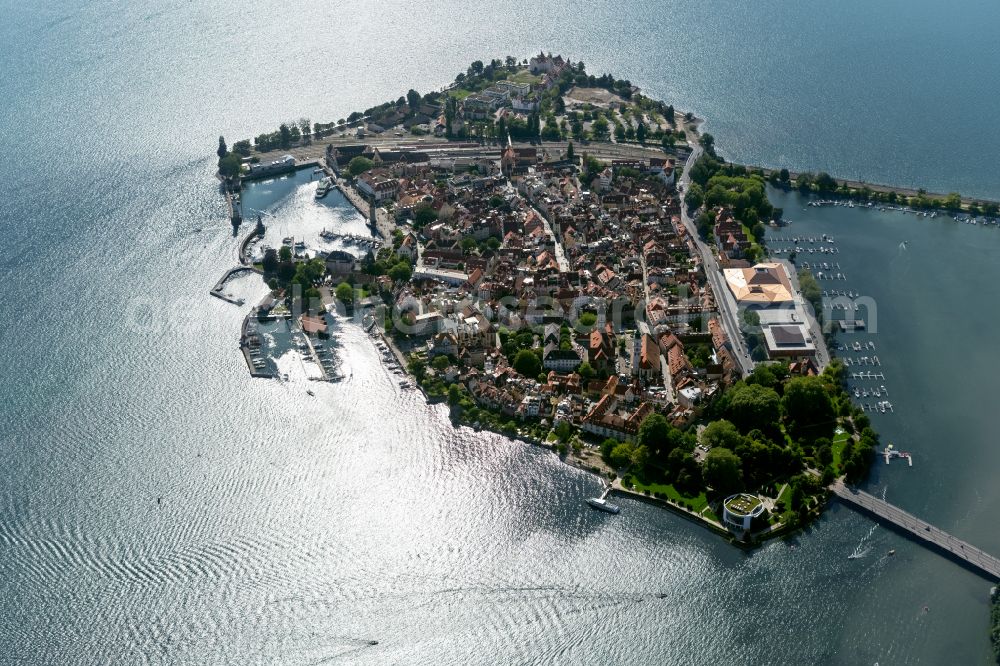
(159, 506)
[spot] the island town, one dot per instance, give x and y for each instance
(562, 259)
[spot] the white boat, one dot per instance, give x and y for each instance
(322, 188)
(603, 504)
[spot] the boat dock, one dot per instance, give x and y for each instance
(967, 554)
(889, 453)
(353, 239)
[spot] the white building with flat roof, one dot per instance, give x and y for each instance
(738, 511)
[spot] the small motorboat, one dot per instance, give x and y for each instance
(892, 552)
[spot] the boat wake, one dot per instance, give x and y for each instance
(861, 549)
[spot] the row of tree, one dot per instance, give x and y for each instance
(823, 183)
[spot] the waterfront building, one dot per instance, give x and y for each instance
(339, 263)
(378, 186)
(546, 64)
(790, 340)
(609, 418)
(284, 164)
(738, 511)
(763, 284)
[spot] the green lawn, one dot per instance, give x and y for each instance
(698, 502)
(524, 76)
(459, 93)
(840, 440)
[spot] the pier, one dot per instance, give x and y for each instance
(217, 289)
(352, 239)
(972, 557)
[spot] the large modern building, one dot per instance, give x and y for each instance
(790, 340)
(764, 284)
(767, 290)
(738, 511)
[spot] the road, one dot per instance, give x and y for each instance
(920, 529)
(560, 254)
(724, 301)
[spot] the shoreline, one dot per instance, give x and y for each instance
(859, 185)
(606, 150)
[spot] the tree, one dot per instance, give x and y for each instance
(424, 215)
(345, 293)
(359, 165)
(586, 371)
(242, 147)
(230, 166)
(708, 143)
(607, 446)
(723, 470)
(285, 134)
(400, 272)
(570, 155)
(752, 406)
(640, 457)
(600, 128)
(811, 291)
(413, 99)
(454, 393)
(825, 182)
(694, 197)
(640, 132)
(564, 431)
(270, 261)
(440, 362)
(654, 432)
(783, 176)
(222, 150)
(285, 253)
(621, 455)
(721, 434)
(527, 363)
(807, 405)
(417, 367)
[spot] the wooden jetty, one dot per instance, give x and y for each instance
(976, 559)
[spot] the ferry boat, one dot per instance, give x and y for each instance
(603, 504)
(322, 188)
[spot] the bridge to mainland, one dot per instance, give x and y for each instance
(972, 557)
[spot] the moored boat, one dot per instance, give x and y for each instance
(322, 188)
(603, 504)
